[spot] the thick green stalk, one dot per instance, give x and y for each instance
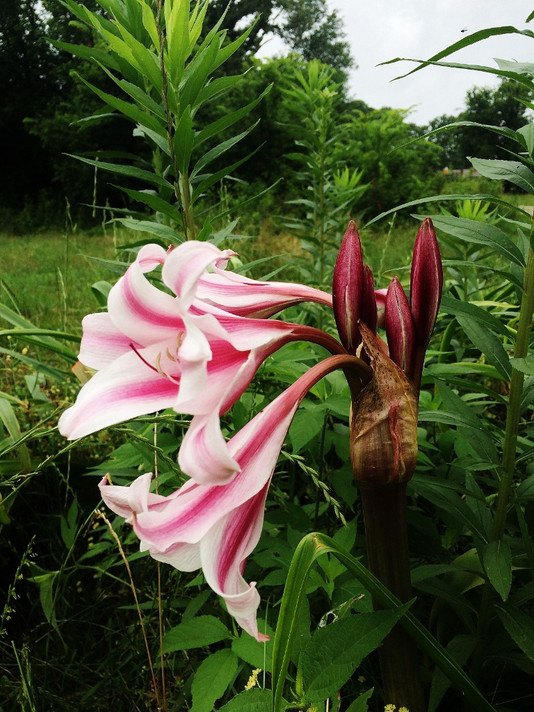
(514, 403)
(510, 441)
(384, 512)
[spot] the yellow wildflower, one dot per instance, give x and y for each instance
(253, 679)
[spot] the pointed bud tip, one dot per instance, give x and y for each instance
(347, 288)
(399, 326)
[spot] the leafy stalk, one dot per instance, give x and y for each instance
(309, 549)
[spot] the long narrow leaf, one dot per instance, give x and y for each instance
(309, 549)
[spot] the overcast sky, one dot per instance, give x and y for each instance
(379, 30)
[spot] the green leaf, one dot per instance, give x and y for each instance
(450, 305)
(149, 22)
(197, 73)
(306, 425)
(183, 140)
(466, 41)
(154, 202)
(129, 109)
(227, 120)
(26, 331)
(512, 171)
(519, 627)
(177, 30)
(126, 170)
(253, 652)
(526, 488)
(497, 560)
(101, 290)
(195, 633)
(212, 678)
(256, 700)
(479, 233)
(484, 444)
(525, 365)
(441, 496)
(153, 228)
(336, 650)
(310, 548)
(360, 703)
(486, 342)
(460, 648)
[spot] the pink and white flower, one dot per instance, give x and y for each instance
(156, 349)
(194, 345)
(212, 527)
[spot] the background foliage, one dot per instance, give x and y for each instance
(70, 624)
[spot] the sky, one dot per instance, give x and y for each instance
(379, 30)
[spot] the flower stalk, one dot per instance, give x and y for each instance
(384, 513)
(383, 430)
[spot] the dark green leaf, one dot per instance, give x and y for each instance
(450, 305)
(497, 560)
(486, 342)
(212, 678)
(360, 703)
(525, 365)
(126, 170)
(256, 700)
(460, 648)
(512, 171)
(519, 627)
(195, 633)
(479, 233)
(253, 652)
(335, 651)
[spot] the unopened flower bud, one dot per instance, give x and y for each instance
(399, 327)
(347, 289)
(426, 285)
(426, 282)
(383, 438)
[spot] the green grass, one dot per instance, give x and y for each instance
(48, 277)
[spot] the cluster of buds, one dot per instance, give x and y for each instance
(384, 415)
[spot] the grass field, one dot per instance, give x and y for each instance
(48, 277)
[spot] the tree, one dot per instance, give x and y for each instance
(492, 107)
(306, 26)
(378, 142)
(496, 107)
(26, 71)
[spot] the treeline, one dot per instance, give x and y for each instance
(48, 114)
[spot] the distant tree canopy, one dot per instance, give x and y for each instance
(44, 110)
(501, 106)
(308, 27)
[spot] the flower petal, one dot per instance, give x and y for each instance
(126, 388)
(140, 310)
(186, 264)
(102, 342)
(242, 296)
(224, 551)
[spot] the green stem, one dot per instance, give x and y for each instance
(384, 512)
(510, 442)
(514, 403)
(187, 205)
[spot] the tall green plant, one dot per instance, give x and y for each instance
(491, 334)
(165, 66)
(332, 190)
